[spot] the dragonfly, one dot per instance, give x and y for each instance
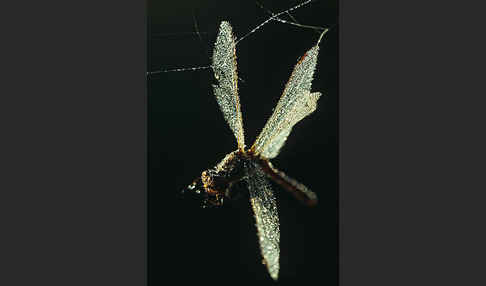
(252, 165)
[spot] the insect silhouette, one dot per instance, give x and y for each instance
(252, 165)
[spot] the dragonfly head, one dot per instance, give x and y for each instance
(203, 193)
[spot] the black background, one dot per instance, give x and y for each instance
(187, 134)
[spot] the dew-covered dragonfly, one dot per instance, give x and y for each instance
(252, 165)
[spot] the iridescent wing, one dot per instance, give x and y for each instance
(226, 91)
(266, 215)
(296, 102)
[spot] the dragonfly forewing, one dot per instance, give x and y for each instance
(225, 72)
(296, 102)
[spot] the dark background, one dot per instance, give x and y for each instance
(187, 134)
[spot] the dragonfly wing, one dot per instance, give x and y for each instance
(264, 207)
(226, 91)
(296, 102)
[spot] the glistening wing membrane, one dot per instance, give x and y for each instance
(226, 91)
(296, 102)
(266, 216)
